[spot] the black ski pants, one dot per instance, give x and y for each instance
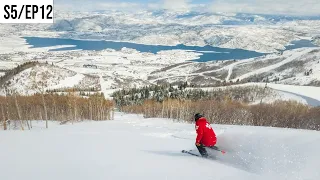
(202, 150)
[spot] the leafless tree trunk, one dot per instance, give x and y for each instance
(75, 108)
(90, 109)
(7, 102)
(162, 111)
(18, 110)
(112, 117)
(4, 119)
(101, 109)
(54, 106)
(45, 110)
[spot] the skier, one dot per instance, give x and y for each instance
(206, 137)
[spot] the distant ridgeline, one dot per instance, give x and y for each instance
(10, 73)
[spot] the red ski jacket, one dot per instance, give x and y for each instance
(205, 133)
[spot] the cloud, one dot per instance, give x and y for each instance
(120, 6)
(133, 5)
(292, 7)
(87, 5)
(177, 5)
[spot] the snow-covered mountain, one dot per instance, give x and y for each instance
(251, 32)
(261, 33)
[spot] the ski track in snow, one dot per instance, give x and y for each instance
(305, 94)
(131, 147)
(309, 93)
(69, 81)
(271, 67)
(310, 101)
(231, 67)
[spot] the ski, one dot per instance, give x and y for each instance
(192, 154)
(217, 149)
(188, 152)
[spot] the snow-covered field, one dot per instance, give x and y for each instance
(131, 147)
(303, 94)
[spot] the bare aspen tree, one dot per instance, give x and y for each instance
(162, 111)
(75, 107)
(27, 107)
(4, 118)
(7, 103)
(167, 109)
(18, 110)
(112, 117)
(45, 110)
(39, 86)
(54, 105)
(70, 107)
(90, 109)
(101, 108)
(177, 115)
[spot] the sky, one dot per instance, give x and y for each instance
(284, 7)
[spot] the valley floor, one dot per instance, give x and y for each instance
(132, 147)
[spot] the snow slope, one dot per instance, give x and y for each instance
(310, 93)
(44, 77)
(303, 94)
(289, 67)
(69, 81)
(132, 147)
(299, 53)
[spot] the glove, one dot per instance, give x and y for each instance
(198, 144)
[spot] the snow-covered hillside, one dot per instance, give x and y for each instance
(129, 68)
(117, 69)
(44, 77)
(296, 67)
(132, 147)
(300, 67)
(303, 94)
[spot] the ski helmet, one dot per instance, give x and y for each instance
(197, 116)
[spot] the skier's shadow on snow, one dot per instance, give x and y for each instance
(167, 153)
(228, 160)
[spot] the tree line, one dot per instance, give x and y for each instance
(19, 111)
(160, 93)
(284, 114)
